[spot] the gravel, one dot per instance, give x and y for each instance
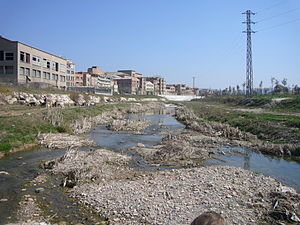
(178, 196)
(124, 195)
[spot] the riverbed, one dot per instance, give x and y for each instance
(23, 167)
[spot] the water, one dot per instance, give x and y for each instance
(24, 166)
(285, 170)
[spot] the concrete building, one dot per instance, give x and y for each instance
(170, 89)
(159, 84)
(149, 88)
(128, 85)
(79, 79)
(21, 63)
(95, 70)
(130, 73)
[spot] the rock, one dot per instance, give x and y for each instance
(62, 223)
(4, 173)
(140, 145)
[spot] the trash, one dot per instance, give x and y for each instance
(39, 190)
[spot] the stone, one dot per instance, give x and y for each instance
(4, 173)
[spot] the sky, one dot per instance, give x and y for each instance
(175, 39)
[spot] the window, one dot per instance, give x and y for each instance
(54, 76)
(27, 72)
(33, 73)
(44, 75)
(36, 60)
(27, 57)
(62, 78)
(9, 56)
(22, 56)
(62, 68)
(9, 69)
(48, 64)
(1, 69)
(22, 71)
(44, 63)
(1, 55)
(38, 73)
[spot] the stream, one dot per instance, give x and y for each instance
(24, 166)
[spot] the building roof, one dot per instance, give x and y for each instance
(18, 42)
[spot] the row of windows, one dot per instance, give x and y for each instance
(6, 69)
(9, 56)
(37, 73)
(38, 61)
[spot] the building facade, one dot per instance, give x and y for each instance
(159, 84)
(21, 63)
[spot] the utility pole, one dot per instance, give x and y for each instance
(194, 85)
(249, 67)
(194, 82)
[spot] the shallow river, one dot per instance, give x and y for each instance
(23, 167)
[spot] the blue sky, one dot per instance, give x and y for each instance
(175, 39)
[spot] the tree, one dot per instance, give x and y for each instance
(260, 87)
(244, 85)
(284, 82)
(272, 82)
(238, 89)
(296, 89)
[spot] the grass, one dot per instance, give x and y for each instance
(18, 130)
(292, 104)
(15, 131)
(270, 127)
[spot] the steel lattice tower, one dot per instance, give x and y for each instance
(249, 67)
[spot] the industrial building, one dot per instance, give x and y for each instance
(24, 64)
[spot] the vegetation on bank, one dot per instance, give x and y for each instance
(15, 131)
(272, 102)
(277, 128)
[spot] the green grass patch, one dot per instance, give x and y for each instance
(270, 127)
(16, 131)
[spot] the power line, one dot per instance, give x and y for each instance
(269, 18)
(271, 7)
(279, 25)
